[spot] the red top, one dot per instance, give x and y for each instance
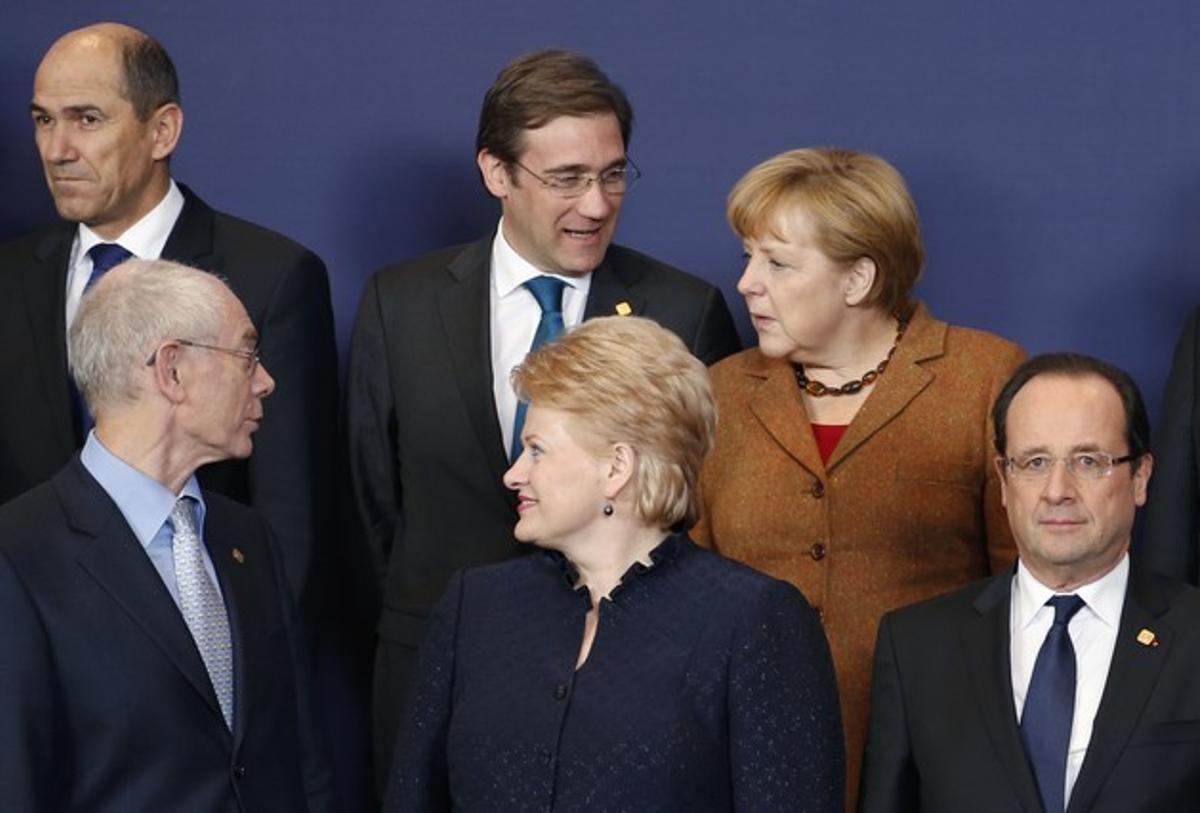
(828, 435)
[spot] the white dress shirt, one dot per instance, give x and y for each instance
(1093, 633)
(515, 315)
(144, 239)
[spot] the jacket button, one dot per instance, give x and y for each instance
(560, 692)
(239, 771)
(547, 756)
(818, 489)
(817, 551)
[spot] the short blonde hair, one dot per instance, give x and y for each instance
(629, 380)
(859, 203)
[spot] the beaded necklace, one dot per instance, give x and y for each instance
(818, 390)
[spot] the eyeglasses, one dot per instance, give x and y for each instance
(1083, 465)
(250, 357)
(614, 181)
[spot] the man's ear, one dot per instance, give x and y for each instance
(165, 372)
(1002, 472)
(495, 174)
(167, 122)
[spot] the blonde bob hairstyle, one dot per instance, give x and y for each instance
(628, 380)
(860, 207)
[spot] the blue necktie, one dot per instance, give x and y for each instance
(104, 257)
(548, 293)
(201, 605)
(1050, 706)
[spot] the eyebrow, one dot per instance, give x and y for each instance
(564, 168)
(75, 109)
(1076, 449)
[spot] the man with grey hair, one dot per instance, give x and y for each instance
(153, 659)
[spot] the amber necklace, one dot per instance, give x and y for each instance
(817, 389)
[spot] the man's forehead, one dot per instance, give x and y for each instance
(1065, 411)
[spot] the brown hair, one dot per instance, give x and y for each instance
(858, 202)
(538, 87)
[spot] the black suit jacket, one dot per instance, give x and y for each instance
(426, 449)
(944, 733)
(285, 290)
(105, 703)
(1170, 542)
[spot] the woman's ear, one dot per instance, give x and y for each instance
(622, 465)
(859, 280)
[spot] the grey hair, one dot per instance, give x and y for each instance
(129, 312)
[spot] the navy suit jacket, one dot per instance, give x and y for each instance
(426, 449)
(944, 733)
(105, 703)
(284, 287)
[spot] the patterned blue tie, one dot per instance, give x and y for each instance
(201, 605)
(1050, 706)
(548, 293)
(104, 257)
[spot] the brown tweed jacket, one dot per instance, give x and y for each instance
(908, 506)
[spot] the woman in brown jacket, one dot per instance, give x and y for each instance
(853, 444)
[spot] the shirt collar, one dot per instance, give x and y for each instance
(146, 238)
(143, 501)
(510, 270)
(1105, 597)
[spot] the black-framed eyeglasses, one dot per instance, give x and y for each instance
(1083, 465)
(250, 357)
(612, 181)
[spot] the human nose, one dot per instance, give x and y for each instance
(594, 203)
(514, 478)
(263, 383)
(56, 144)
(748, 283)
(1060, 483)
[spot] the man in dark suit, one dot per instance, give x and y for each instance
(1071, 682)
(153, 658)
(431, 414)
(1170, 539)
(107, 119)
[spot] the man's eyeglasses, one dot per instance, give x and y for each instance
(1083, 465)
(614, 181)
(250, 357)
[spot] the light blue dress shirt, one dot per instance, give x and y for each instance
(146, 505)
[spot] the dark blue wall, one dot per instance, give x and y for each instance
(1053, 148)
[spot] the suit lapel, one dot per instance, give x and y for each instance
(45, 288)
(610, 287)
(463, 304)
(905, 378)
(114, 558)
(776, 403)
(986, 638)
(191, 238)
(1131, 677)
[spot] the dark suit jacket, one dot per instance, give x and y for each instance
(709, 687)
(425, 444)
(105, 703)
(1170, 542)
(944, 733)
(286, 292)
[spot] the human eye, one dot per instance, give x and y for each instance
(1088, 461)
(42, 119)
(565, 180)
(613, 178)
(1036, 463)
(535, 451)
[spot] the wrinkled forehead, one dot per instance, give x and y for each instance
(1065, 412)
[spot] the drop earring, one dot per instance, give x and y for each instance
(608, 508)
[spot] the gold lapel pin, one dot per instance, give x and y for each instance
(624, 309)
(238, 556)
(1147, 638)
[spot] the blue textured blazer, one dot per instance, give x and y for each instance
(709, 687)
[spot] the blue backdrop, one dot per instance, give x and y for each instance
(1053, 148)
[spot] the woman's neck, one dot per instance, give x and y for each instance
(602, 562)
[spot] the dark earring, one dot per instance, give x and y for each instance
(608, 508)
